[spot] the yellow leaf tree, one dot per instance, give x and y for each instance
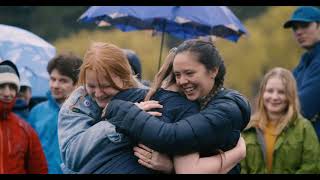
(146, 46)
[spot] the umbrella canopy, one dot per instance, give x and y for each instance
(30, 53)
(183, 22)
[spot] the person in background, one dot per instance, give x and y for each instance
(21, 106)
(20, 148)
(63, 71)
(305, 24)
(278, 138)
(135, 64)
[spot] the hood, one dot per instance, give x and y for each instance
(242, 103)
(52, 100)
(20, 104)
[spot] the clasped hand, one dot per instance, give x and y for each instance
(148, 106)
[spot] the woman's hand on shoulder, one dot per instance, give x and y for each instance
(148, 106)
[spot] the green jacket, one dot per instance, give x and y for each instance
(296, 150)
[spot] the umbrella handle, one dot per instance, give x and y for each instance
(161, 47)
(162, 40)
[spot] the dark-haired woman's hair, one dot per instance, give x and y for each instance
(208, 55)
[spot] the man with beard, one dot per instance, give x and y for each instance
(63, 70)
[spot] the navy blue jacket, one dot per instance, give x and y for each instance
(212, 128)
(218, 126)
(21, 108)
(175, 108)
(307, 75)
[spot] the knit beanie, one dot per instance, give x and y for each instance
(9, 73)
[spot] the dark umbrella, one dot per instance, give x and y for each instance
(183, 22)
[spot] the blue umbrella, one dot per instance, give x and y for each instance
(183, 22)
(30, 53)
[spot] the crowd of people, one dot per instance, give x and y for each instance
(101, 117)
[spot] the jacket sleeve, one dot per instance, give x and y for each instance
(310, 153)
(32, 115)
(243, 165)
(80, 135)
(36, 160)
(308, 91)
(208, 129)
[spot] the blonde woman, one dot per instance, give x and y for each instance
(278, 138)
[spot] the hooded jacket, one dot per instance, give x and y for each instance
(44, 119)
(20, 148)
(307, 75)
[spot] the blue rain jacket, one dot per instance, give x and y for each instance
(307, 74)
(44, 119)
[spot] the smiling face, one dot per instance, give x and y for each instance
(306, 34)
(274, 97)
(100, 88)
(8, 92)
(60, 86)
(105, 71)
(192, 77)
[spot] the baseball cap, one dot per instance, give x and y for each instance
(303, 14)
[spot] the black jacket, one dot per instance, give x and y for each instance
(218, 126)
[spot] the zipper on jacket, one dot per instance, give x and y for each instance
(1, 149)
(9, 143)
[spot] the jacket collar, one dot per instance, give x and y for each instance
(52, 101)
(315, 48)
(310, 54)
(20, 104)
(6, 108)
(262, 143)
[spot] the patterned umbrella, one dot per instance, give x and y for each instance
(30, 53)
